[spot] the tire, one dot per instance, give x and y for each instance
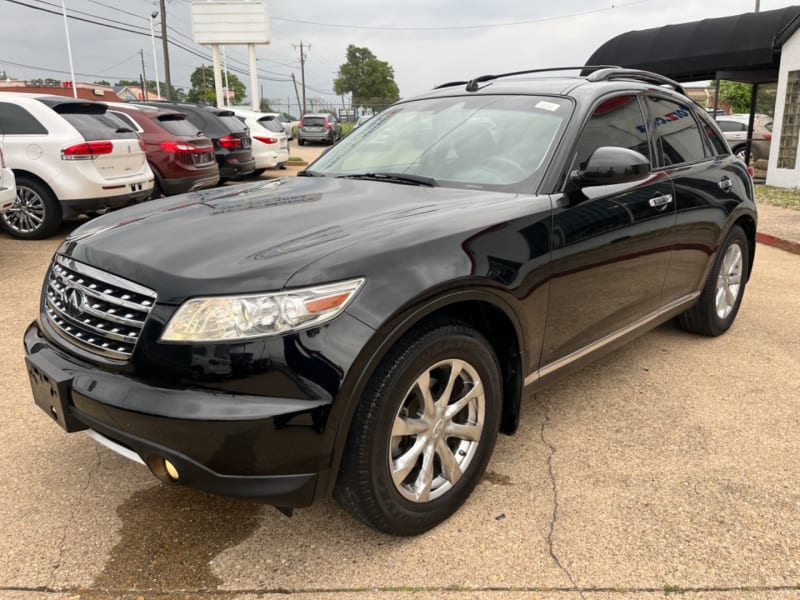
(157, 191)
(438, 352)
(719, 302)
(739, 151)
(301, 142)
(258, 172)
(36, 213)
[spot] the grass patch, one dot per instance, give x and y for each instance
(296, 159)
(347, 127)
(672, 589)
(776, 196)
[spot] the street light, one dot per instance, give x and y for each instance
(153, 16)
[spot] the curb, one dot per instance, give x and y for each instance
(776, 242)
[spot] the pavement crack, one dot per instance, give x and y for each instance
(71, 518)
(554, 486)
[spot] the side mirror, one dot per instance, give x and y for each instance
(611, 164)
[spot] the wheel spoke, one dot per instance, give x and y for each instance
(404, 426)
(720, 301)
(456, 367)
(424, 385)
(422, 487)
(730, 296)
(456, 407)
(450, 467)
(464, 431)
(403, 465)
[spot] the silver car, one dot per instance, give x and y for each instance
(734, 128)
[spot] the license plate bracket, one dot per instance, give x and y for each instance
(52, 390)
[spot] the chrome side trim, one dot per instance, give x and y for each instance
(114, 446)
(581, 352)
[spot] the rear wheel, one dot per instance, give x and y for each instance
(258, 172)
(300, 141)
(423, 431)
(719, 302)
(739, 152)
(35, 214)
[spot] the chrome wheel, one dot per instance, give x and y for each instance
(27, 213)
(729, 280)
(437, 430)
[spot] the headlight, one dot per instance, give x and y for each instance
(241, 317)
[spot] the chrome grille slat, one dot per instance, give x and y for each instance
(96, 294)
(101, 313)
(88, 325)
(95, 310)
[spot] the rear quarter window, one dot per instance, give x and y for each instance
(15, 120)
(233, 123)
(272, 124)
(177, 125)
(99, 126)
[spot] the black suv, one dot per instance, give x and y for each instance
(367, 329)
(231, 138)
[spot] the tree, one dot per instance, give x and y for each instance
(101, 82)
(371, 81)
(203, 86)
(737, 95)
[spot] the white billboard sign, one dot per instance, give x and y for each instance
(228, 23)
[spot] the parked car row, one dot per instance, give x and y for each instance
(64, 157)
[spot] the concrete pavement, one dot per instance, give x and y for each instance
(670, 466)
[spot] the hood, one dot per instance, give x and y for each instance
(253, 237)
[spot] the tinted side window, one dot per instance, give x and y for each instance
(711, 133)
(99, 126)
(177, 125)
(731, 126)
(617, 121)
(132, 125)
(16, 120)
(677, 131)
(271, 124)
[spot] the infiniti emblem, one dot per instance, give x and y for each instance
(72, 300)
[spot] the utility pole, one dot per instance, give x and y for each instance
(165, 48)
(297, 94)
(144, 76)
(153, 16)
(205, 90)
(303, 71)
(69, 51)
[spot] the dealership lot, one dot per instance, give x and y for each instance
(670, 465)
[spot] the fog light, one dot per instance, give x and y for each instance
(172, 471)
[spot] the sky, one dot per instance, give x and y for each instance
(427, 42)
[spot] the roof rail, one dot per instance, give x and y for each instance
(610, 73)
(473, 84)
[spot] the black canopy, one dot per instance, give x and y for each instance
(741, 48)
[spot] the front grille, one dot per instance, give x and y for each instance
(95, 310)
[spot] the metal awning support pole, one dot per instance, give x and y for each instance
(750, 123)
(217, 75)
(255, 100)
(716, 96)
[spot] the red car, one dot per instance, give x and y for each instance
(181, 160)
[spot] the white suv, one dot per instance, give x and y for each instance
(270, 142)
(69, 157)
(8, 189)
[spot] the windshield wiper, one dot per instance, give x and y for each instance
(405, 178)
(307, 173)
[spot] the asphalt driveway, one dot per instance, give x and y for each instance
(670, 466)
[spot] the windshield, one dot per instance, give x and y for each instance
(483, 142)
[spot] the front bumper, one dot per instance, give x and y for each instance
(260, 447)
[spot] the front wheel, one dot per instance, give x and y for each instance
(722, 295)
(423, 432)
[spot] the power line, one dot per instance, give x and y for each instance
(143, 32)
(60, 72)
(459, 27)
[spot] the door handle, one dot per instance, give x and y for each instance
(661, 202)
(725, 184)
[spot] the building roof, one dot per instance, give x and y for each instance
(742, 47)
